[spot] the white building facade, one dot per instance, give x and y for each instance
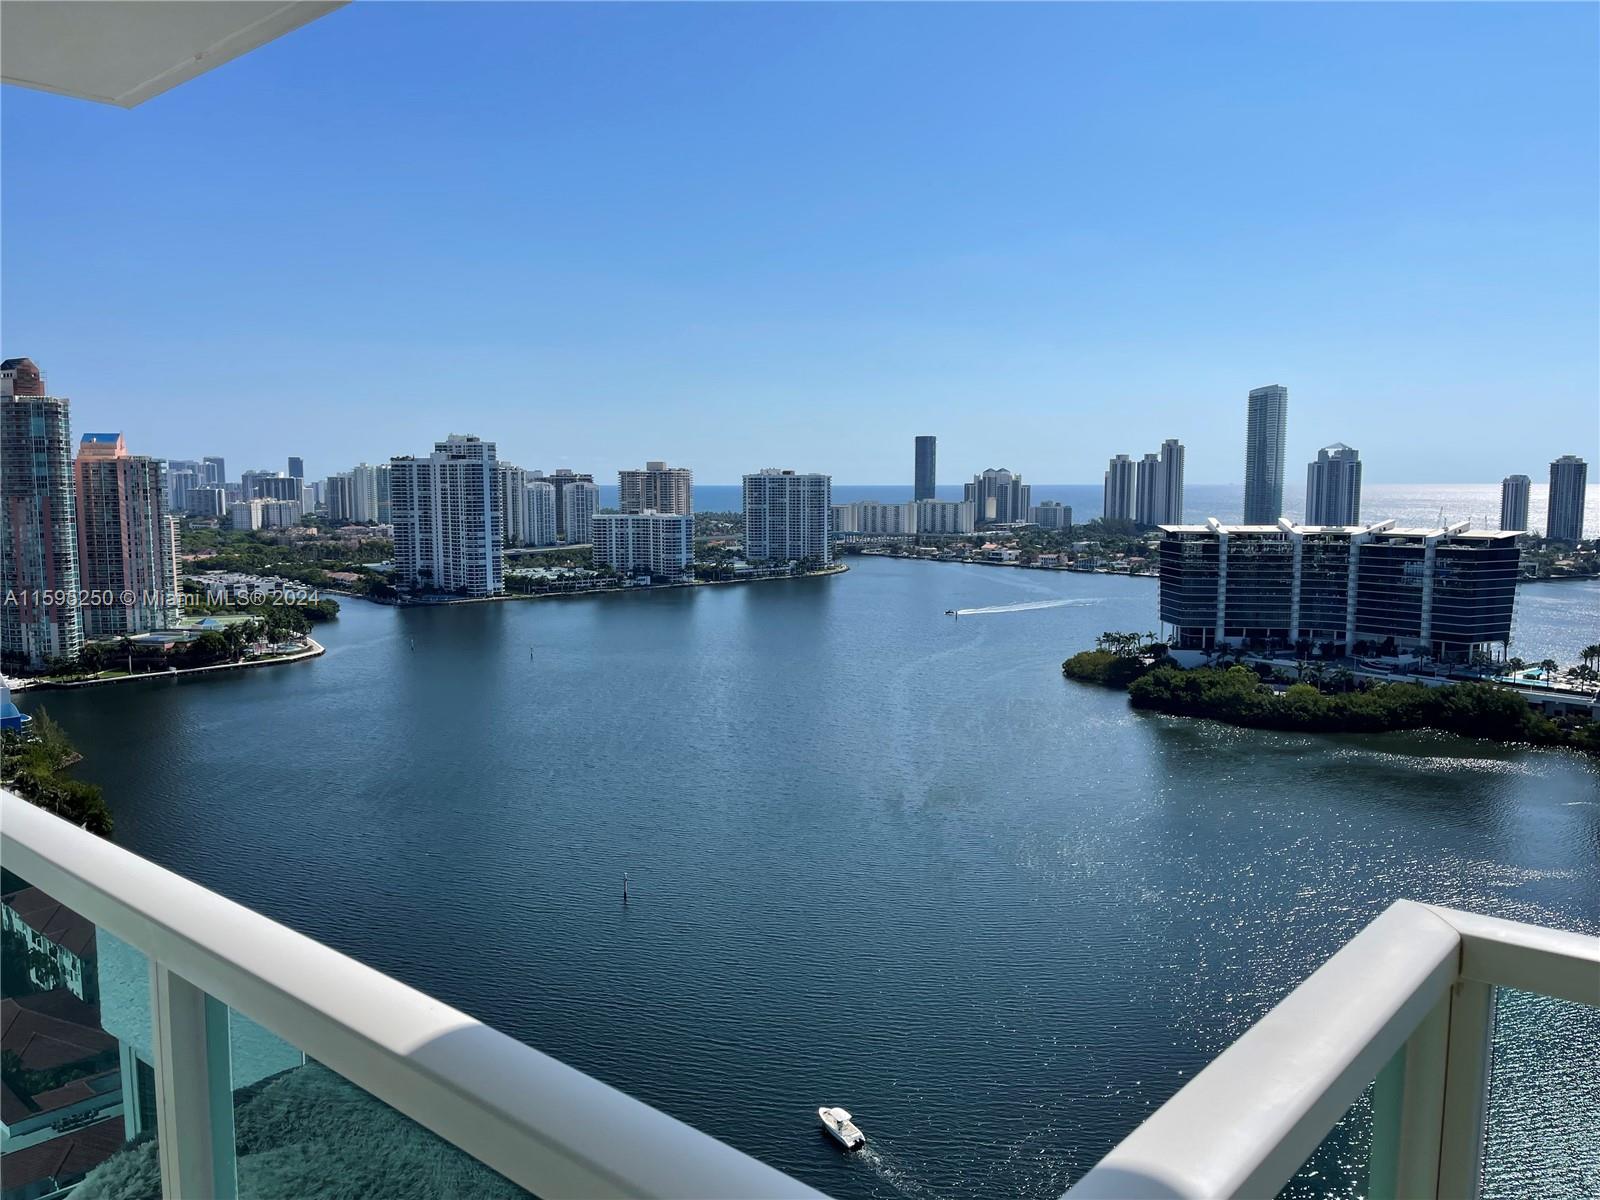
(660, 545)
(447, 534)
(787, 517)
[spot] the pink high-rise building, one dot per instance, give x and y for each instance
(127, 543)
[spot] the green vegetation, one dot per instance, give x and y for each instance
(1117, 659)
(1339, 702)
(303, 559)
(33, 764)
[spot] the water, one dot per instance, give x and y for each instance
(878, 857)
(1409, 504)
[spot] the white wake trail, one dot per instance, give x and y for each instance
(1026, 606)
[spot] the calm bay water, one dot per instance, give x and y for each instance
(879, 858)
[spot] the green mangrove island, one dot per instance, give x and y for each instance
(1340, 702)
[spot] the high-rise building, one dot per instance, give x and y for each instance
(561, 479)
(447, 534)
(38, 522)
(1119, 489)
(998, 497)
(657, 488)
(541, 528)
(1514, 502)
(19, 377)
(1149, 492)
(787, 517)
(214, 471)
(580, 500)
(1333, 487)
(280, 514)
(182, 475)
(245, 514)
(513, 493)
(269, 485)
(297, 468)
(927, 468)
(1569, 486)
(211, 500)
(1446, 592)
(341, 497)
(1170, 509)
(875, 518)
(385, 511)
(1051, 514)
(660, 545)
(364, 488)
(944, 516)
(127, 567)
(1267, 427)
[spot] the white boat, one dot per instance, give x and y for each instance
(838, 1123)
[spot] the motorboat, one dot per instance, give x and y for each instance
(838, 1123)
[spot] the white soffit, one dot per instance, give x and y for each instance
(125, 51)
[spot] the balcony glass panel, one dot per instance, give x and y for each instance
(78, 1088)
(1543, 1135)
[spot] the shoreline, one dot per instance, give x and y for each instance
(978, 562)
(314, 649)
(508, 597)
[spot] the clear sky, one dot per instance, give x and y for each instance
(741, 236)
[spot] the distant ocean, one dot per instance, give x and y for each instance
(1407, 503)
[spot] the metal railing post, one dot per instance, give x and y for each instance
(194, 1099)
(1466, 1089)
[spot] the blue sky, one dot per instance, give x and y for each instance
(740, 236)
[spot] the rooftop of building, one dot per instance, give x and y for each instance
(1379, 529)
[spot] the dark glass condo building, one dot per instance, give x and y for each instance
(1442, 591)
(926, 482)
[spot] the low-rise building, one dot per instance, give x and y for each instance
(1442, 592)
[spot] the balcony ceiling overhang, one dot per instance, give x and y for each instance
(125, 51)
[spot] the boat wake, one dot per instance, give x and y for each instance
(1025, 606)
(894, 1174)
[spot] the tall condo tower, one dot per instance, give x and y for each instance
(297, 468)
(447, 534)
(999, 497)
(126, 541)
(1514, 503)
(1569, 485)
(1120, 489)
(657, 488)
(1148, 491)
(1333, 487)
(38, 520)
(927, 467)
(1171, 482)
(215, 471)
(1267, 424)
(787, 517)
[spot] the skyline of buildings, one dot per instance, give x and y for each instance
(94, 519)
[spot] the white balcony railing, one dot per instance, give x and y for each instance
(540, 1123)
(1409, 1001)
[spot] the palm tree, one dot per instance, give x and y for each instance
(1590, 654)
